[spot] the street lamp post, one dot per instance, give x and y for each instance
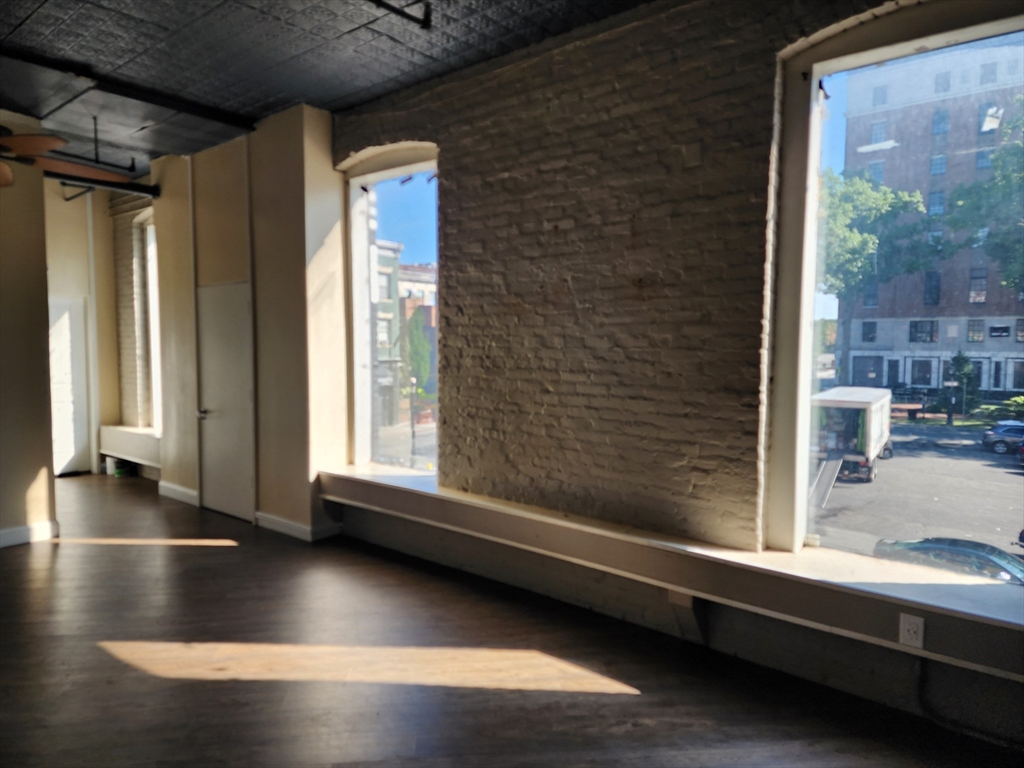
(412, 419)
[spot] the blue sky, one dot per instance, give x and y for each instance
(407, 214)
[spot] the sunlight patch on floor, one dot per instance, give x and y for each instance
(492, 668)
(150, 542)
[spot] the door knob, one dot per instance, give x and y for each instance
(202, 413)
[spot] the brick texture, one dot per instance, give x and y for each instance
(603, 203)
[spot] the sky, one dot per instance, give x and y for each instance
(407, 214)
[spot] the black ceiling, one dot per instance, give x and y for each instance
(246, 58)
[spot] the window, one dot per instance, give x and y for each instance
(932, 288)
(1020, 329)
(880, 95)
(153, 321)
(983, 159)
(988, 73)
(979, 286)
(383, 333)
(989, 117)
(924, 331)
(921, 373)
(871, 295)
(975, 331)
(935, 238)
(938, 165)
(980, 237)
(876, 169)
(1018, 374)
(798, 399)
(999, 331)
(393, 245)
(997, 374)
(942, 82)
(869, 331)
(878, 132)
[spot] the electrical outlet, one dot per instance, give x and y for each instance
(911, 630)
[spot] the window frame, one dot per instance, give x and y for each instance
(975, 330)
(932, 288)
(977, 295)
(914, 338)
(792, 220)
(869, 328)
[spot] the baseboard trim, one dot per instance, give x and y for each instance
(23, 534)
(179, 493)
(296, 530)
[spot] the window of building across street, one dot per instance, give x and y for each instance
(924, 331)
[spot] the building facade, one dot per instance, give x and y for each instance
(928, 124)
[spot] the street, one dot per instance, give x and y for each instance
(940, 482)
(394, 446)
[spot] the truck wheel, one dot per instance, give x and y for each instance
(874, 472)
(999, 447)
(887, 453)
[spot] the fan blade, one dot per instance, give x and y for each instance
(6, 175)
(78, 169)
(32, 143)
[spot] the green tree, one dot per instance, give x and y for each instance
(961, 370)
(868, 234)
(419, 351)
(992, 210)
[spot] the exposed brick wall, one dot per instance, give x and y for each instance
(124, 209)
(603, 205)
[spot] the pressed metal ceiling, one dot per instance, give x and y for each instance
(177, 76)
(256, 57)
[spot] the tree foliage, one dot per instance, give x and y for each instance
(867, 235)
(419, 351)
(992, 210)
(961, 369)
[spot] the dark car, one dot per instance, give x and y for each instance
(968, 557)
(1004, 436)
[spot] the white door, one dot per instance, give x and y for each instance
(69, 399)
(226, 403)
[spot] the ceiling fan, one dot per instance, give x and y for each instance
(31, 149)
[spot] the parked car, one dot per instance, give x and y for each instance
(1004, 436)
(1020, 453)
(969, 557)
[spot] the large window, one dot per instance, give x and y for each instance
(394, 277)
(921, 373)
(924, 331)
(978, 286)
(932, 288)
(845, 466)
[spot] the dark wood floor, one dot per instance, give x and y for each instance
(65, 701)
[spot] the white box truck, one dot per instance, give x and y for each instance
(849, 432)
